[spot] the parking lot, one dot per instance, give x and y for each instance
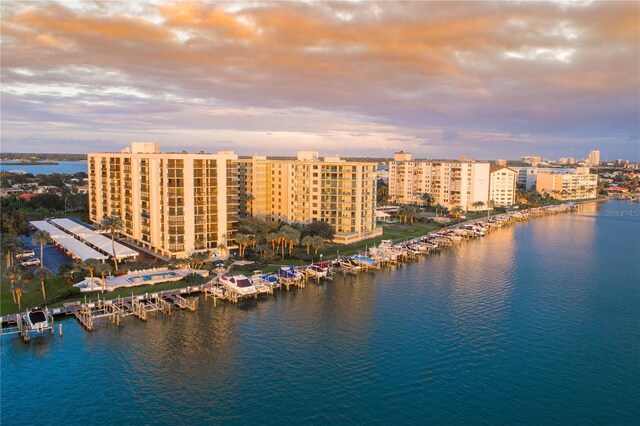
(53, 257)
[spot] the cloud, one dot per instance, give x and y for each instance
(200, 71)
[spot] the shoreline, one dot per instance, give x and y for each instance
(215, 290)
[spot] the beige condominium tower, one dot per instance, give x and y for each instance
(449, 183)
(171, 203)
(341, 193)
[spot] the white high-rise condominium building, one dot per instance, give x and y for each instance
(594, 158)
(449, 183)
(341, 193)
(171, 203)
(502, 186)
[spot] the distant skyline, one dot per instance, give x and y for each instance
(438, 79)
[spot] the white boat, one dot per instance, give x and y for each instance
(38, 319)
(239, 284)
(317, 271)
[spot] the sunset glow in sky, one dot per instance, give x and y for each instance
(439, 79)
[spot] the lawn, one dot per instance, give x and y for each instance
(56, 289)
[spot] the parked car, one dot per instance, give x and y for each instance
(25, 253)
(32, 261)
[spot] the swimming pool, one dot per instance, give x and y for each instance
(159, 276)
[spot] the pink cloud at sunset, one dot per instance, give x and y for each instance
(441, 79)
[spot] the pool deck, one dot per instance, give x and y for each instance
(112, 283)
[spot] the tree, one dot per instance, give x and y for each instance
(318, 227)
(478, 205)
(272, 238)
(13, 273)
(293, 238)
(68, 271)
(490, 205)
(243, 241)
(14, 220)
(112, 224)
(427, 199)
(439, 208)
(103, 269)
(257, 225)
(90, 265)
(10, 244)
(41, 237)
(382, 192)
(317, 243)
(307, 241)
(407, 213)
(42, 274)
(197, 259)
(457, 212)
(222, 248)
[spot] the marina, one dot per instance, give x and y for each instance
(235, 288)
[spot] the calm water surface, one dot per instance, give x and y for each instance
(534, 324)
(69, 167)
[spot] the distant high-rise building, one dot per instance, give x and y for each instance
(594, 158)
(567, 160)
(534, 161)
(500, 162)
(449, 183)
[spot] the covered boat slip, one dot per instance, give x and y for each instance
(95, 239)
(75, 248)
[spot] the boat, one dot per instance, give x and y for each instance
(38, 319)
(317, 271)
(239, 284)
(289, 273)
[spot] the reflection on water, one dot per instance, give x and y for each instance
(531, 324)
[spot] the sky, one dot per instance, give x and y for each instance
(439, 79)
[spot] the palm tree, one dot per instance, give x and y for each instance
(272, 238)
(293, 238)
(90, 265)
(478, 204)
(490, 205)
(317, 243)
(42, 274)
(103, 269)
(439, 208)
(67, 270)
(10, 244)
(112, 224)
(13, 273)
(243, 241)
(41, 237)
(427, 199)
(222, 248)
(457, 212)
(307, 241)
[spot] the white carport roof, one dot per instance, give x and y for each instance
(92, 237)
(78, 249)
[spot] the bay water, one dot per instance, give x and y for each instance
(537, 323)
